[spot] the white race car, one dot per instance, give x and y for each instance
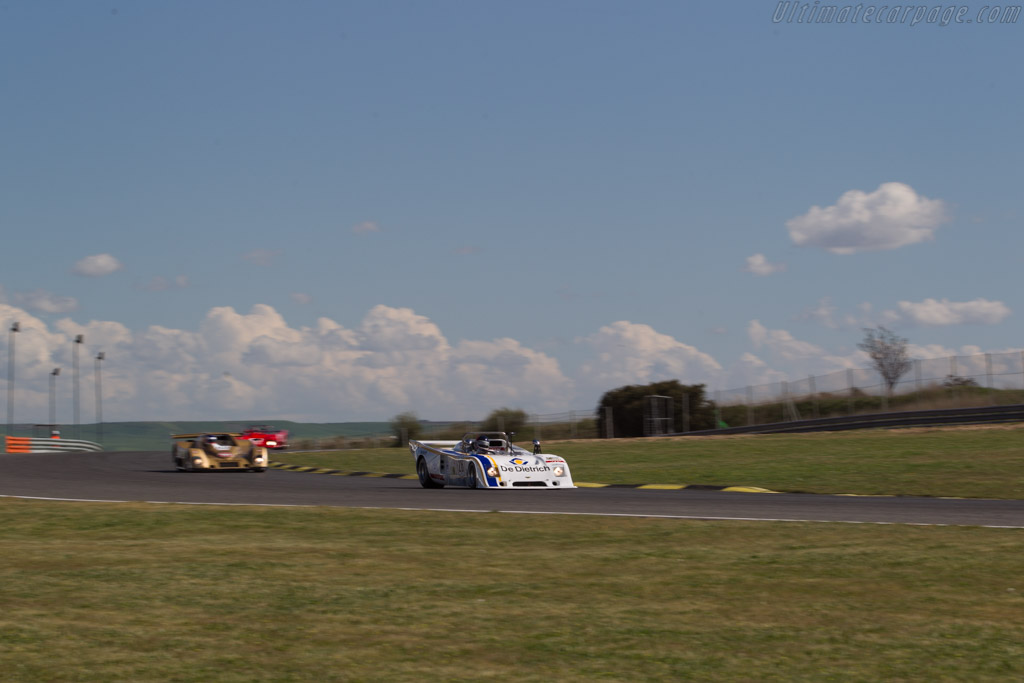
(487, 460)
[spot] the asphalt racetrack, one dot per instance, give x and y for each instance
(150, 477)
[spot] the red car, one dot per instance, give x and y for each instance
(266, 436)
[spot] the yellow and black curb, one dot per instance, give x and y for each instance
(338, 473)
(676, 487)
(580, 484)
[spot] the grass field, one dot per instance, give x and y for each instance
(132, 592)
(136, 592)
(973, 462)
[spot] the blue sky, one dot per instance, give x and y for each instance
(343, 210)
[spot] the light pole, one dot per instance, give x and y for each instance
(78, 342)
(15, 327)
(53, 398)
(99, 398)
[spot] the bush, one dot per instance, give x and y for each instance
(504, 420)
(405, 427)
(629, 405)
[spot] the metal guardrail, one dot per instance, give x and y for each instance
(917, 418)
(24, 444)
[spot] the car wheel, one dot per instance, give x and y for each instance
(424, 476)
(473, 482)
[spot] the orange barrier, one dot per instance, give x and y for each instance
(19, 444)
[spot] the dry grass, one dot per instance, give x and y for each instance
(971, 461)
(101, 592)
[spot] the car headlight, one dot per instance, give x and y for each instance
(258, 458)
(198, 461)
(271, 443)
(559, 471)
(492, 472)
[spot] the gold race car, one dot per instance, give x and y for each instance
(217, 451)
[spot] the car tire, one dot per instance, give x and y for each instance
(424, 476)
(474, 481)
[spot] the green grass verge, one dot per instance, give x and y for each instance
(103, 592)
(981, 462)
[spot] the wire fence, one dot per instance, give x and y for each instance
(986, 379)
(935, 383)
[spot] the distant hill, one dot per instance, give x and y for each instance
(154, 436)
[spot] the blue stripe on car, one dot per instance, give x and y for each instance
(486, 463)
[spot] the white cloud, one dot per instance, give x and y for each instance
(781, 342)
(750, 371)
(483, 368)
(239, 365)
(366, 226)
(794, 356)
(97, 265)
(759, 265)
(394, 330)
(946, 312)
(45, 302)
(823, 313)
(632, 353)
(892, 216)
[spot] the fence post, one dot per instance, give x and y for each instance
(787, 414)
(849, 390)
(750, 405)
(988, 376)
(952, 384)
(686, 412)
(814, 395)
(917, 380)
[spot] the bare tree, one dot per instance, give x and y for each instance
(888, 351)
